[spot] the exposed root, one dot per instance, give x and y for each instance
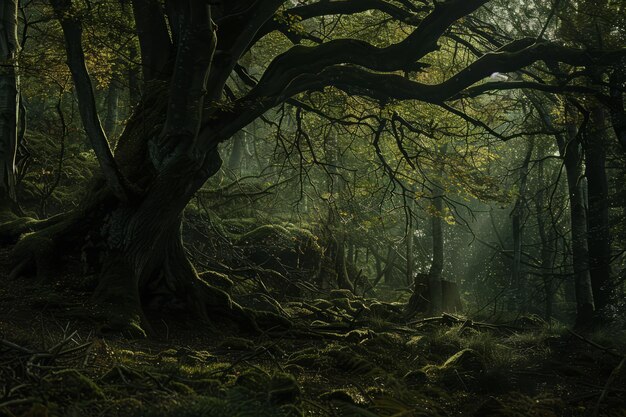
(13, 227)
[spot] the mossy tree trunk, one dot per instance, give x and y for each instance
(135, 211)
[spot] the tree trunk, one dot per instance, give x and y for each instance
(548, 239)
(410, 242)
(515, 285)
(9, 103)
(436, 268)
(571, 151)
(572, 155)
(236, 154)
(112, 104)
(138, 237)
(140, 249)
(598, 229)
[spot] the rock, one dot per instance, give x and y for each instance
(466, 360)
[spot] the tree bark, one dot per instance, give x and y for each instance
(548, 243)
(598, 229)
(515, 284)
(571, 152)
(112, 104)
(236, 153)
(9, 103)
(72, 32)
(436, 268)
(570, 149)
(154, 40)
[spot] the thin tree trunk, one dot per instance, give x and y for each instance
(546, 234)
(112, 104)
(518, 232)
(9, 102)
(571, 152)
(134, 87)
(236, 154)
(410, 241)
(436, 268)
(598, 229)
(435, 285)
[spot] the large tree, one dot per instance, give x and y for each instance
(190, 49)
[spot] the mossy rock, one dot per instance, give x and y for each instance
(461, 371)
(466, 360)
(70, 384)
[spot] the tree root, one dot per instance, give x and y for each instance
(12, 228)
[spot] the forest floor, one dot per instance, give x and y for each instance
(344, 356)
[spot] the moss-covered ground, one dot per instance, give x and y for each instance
(343, 356)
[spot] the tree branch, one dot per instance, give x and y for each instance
(72, 31)
(400, 56)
